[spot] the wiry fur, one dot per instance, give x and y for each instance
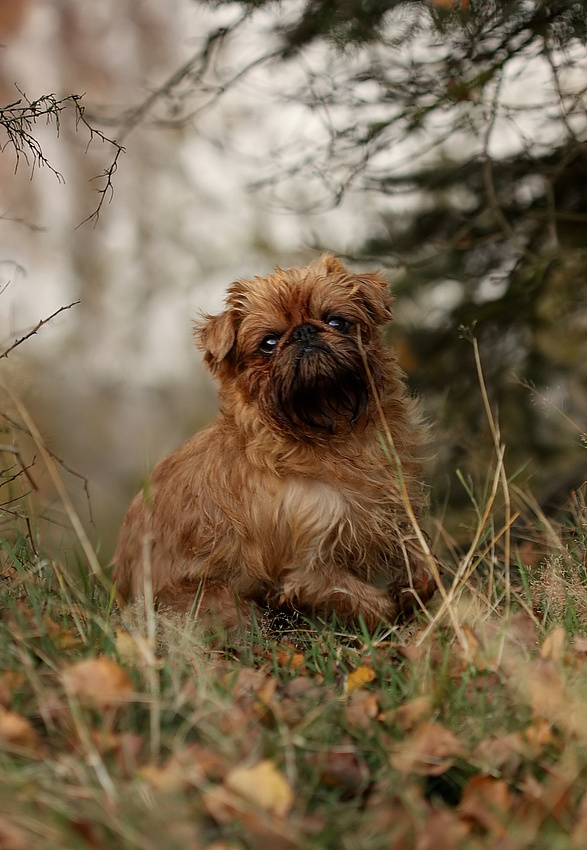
(288, 497)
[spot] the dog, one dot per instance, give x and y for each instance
(302, 493)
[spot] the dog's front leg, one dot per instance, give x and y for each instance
(343, 594)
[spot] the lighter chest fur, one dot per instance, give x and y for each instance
(307, 518)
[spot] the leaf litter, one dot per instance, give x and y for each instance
(403, 742)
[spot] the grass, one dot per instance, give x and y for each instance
(466, 728)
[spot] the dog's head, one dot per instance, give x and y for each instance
(302, 344)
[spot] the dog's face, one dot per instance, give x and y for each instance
(302, 345)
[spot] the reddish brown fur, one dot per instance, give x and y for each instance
(282, 502)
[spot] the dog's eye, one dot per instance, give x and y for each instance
(338, 323)
(269, 344)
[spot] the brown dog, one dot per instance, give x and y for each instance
(297, 493)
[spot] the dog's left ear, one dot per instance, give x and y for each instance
(376, 297)
(215, 336)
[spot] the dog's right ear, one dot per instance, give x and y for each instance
(216, 336)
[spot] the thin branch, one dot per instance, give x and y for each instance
(59, 460)
(37, 327)
(19, 118)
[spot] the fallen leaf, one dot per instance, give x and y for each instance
(547, 693)
(264, 785)
(359, 677)
(579, 831)
(362, 709)
(448, 5)
(550, 797)
(468, 653)
(198, 763)
(127, 648)
(288, 658)
(428, 752)
(264, 697)
(128, 753)
(166, 778)
(538, 735)
(502, 753)
(10, 681)
(97, 680)
(442, 831)
(344, 770)
(409, 714)
(12, 837)
(580, 645)
(303, 687)
(487, 802)
(248, 684)
(61, 637)
(269, 833)
(554, 645)
(17, 731)
(520, 629)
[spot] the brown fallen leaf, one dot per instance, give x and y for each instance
(164, 778)
(538, 735)
(550, 797)
(468, 652)
(264, 785)
(302, 687)
(546, 690)
(554, 645)
(448, 5)
(346, 771)
(61, 637)
(503, 753)
(288, 657)
(192, 765)
(487, 803)
(17, 731)
(358, 678)
(255, 690)
(362, 709)
(579, 830)
(443, 830)
(10, 681)
(12, 837)
(410, 713)
(99, 681)
(428, 752)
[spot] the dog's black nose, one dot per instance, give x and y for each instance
(304, 333)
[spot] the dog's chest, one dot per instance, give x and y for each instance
(302, 519)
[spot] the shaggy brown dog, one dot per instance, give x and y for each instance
(297, 493)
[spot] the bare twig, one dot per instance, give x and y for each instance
(37, 327)
(51, 468)
(57, 459)
(19, 118)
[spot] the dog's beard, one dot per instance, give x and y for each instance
(316, 391)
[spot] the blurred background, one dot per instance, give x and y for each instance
(152, 153)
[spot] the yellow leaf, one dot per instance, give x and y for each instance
(359, 677)
(127, 648)
(264, 785)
